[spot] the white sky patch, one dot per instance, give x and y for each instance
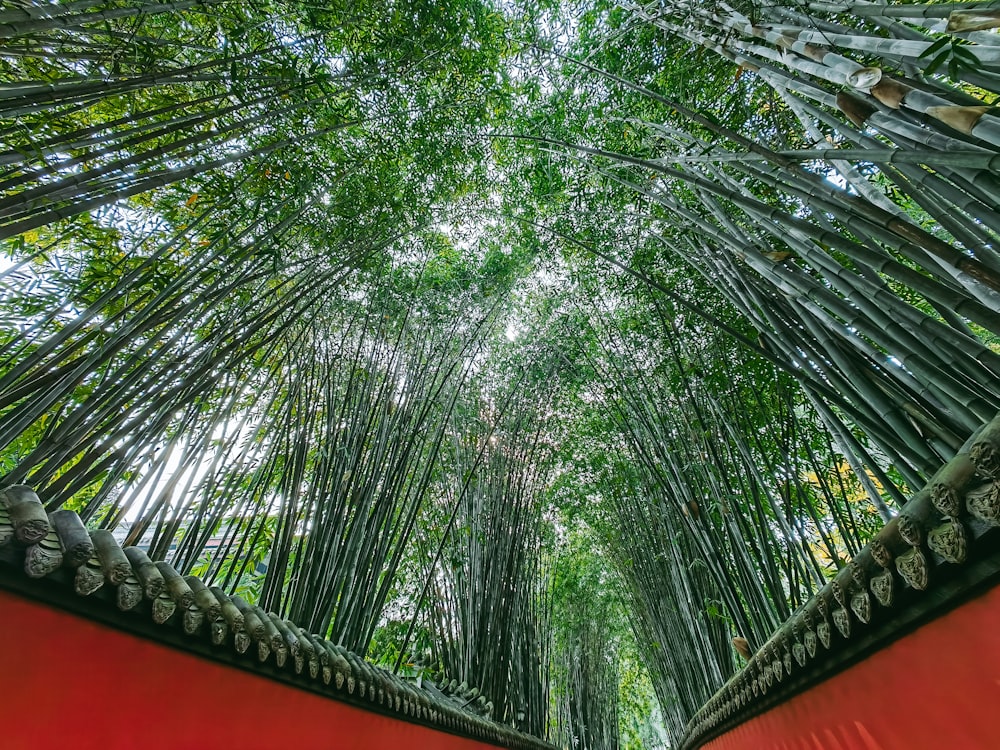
(836, 178)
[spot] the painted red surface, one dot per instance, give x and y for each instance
(68, 682)
(937, 688)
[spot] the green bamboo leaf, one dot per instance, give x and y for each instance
(936, 47)
(937, 62)
(967, 56)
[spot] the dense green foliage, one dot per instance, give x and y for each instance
(540, 347)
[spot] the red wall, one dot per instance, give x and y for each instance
(935, 689)
(68, 682)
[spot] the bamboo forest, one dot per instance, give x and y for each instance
(560, 349)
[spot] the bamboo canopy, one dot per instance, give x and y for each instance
(540, 349)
